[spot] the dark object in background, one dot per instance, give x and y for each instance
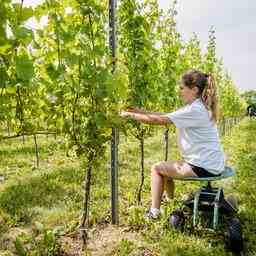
(251, 110)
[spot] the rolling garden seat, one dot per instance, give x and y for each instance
(211, 199)
(207, 197)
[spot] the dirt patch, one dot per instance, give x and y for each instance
(103, 240)
(7, 239)
(71, 246)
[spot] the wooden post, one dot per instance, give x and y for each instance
(115, 132)
(36, 151)
(166, 140)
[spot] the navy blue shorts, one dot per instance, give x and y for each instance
(201, 172)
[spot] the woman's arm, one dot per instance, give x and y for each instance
(138, 110)
(148, 118)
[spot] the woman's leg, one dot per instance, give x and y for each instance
(169, 187)
(157, 187)
(168, 169)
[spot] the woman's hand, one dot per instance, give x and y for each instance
(125, 114)
(128, 112)
(136, 110)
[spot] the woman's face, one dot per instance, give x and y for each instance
(187, 94)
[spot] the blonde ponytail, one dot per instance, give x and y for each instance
(207, 90)
(210, 97)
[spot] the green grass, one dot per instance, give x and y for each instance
(52, 195)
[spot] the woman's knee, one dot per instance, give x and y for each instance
(156, 169)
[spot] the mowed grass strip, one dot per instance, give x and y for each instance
(53, 193)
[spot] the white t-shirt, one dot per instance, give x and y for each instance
(198, 137)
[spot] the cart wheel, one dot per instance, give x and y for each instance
(234, 241)
(177, 219)
(232, 200)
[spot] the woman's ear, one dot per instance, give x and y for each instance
(195, 90)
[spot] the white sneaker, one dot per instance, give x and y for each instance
(150, 216)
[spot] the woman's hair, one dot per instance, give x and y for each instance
(207, 89)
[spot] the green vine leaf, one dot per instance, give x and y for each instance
(24, 67)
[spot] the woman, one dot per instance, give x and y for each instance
(198, 138)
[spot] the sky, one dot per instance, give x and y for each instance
(235, 24)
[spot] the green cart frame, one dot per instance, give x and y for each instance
(211, 199)
(207, 198)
